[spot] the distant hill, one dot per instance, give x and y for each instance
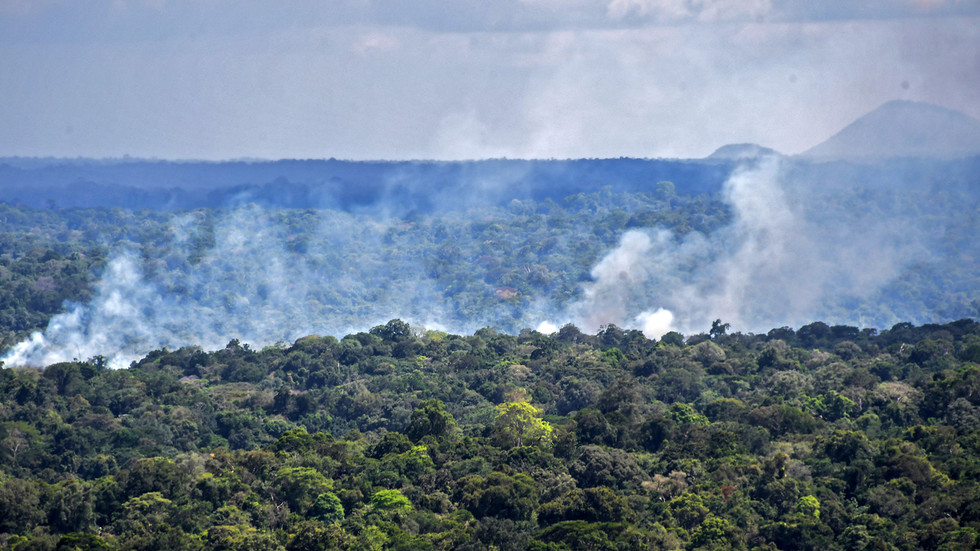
(903, 129)
(740, 151)
(396, 187)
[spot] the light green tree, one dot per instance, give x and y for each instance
(389, 500)
(808, 506)
(519, 424)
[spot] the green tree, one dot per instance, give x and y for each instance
(71, 508)
(430, 418)
(19, 506)
(389, 500)
(241, 538)
(716, 533)
(519, 424)
(611, 467)
(393, 331)
(501, 495)
(141, 515)
(314, 536)
(327, 508)
(684, 413)
(688, 509)
(599, 504)
(808, 506)
(413, 463)
(299, 486)
(80, 541)
(718, 328)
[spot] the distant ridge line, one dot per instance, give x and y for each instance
(902, 128)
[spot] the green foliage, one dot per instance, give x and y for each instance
(518, 424)
(430, 418)
(832, 406)
(500, 495)
(688, 510)
(389, 500)
(805, 450)
(599, 504)
(311, 536)
(35, 283)
(327, 508)
(684, 413)
(19, 506)
(299, 486)
(716, 533)
(808, 506)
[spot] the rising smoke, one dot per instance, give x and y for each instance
(794, 252)
(246, 282)
(789, 257)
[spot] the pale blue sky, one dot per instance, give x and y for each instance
(450, 79)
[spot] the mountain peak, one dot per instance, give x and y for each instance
(741, 151)
(903, 129)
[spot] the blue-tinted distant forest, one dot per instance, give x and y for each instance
(269, 251)
(400, 187)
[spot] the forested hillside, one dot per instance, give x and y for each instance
(399, 187)
(315, 270)
(826, 437)
(776, 243)
(226, 376)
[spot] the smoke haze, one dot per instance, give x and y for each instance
(379, 79)
(245, 284)
(786, 260)
(802, 243)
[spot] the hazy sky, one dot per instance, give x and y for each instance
(450, 79)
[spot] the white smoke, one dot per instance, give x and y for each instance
(615, 275)
(264, 277)
(547, 328)
(655, 324)
(115, 320)
(244, 284)
(780, 262)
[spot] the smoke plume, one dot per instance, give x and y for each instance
(243, 275)
(790, 256)
(800, 247)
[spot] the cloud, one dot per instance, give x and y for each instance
(111, 20)
(547, 328)
(592, 78)
(684, 10)
(376, 42)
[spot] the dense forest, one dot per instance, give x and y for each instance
(273, 371)
(825, 437)
(402, 187)
(767, 248)
(467, 270)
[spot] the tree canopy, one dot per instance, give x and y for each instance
(523, 441)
